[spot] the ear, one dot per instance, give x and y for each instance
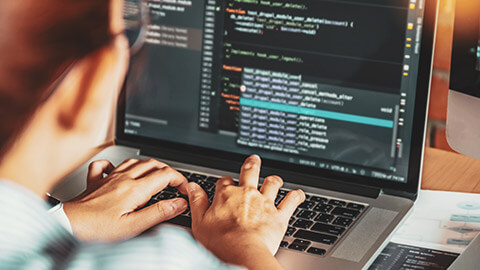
(91, 87)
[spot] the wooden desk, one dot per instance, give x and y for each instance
(450, 172)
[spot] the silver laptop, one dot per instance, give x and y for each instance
(331, 94)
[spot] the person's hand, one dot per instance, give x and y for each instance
(106, 211)
(243, 226)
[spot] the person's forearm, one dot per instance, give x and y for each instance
(260, 260)
(252, 257)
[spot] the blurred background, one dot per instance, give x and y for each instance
(437, 115)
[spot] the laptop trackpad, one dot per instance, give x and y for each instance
(365, 234)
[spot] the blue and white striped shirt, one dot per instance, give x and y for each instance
(32, 239)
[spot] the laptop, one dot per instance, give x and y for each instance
(331, 94)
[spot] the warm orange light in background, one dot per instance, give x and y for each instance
(440, 79)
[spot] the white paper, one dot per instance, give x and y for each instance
(441, 220)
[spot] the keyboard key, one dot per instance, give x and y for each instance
(302, 242)
(318, 199)
(307, 205)
(186, 174)
(325, 228)
(278, 200)
(323, 208)
(305, 214)
(350, 213)
(325, 218)
(149, 203)
(165, 196)
(206, 185)
(186, 211)
(170, 195)
(297, 247)
(181, 220)
(157, 194)
(291, 221)
(282, 192)
(279, 197)
(337, 202)
(316, 237)
(356, 206)
(284, 244)
(307, 197)
(212, 179)
(341, 221)
(302, 223)
(196, 180)
(170, 189)
(290, 231)
(210, 195)
(197, 176)
(317, 251)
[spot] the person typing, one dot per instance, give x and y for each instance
(46, 132)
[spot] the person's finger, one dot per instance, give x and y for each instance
(144, 167)
(270, 187)
(126, 164)
(250, 172)
(198, 201)
(288, 205)
(154, 214)
(223, 182)
(157, 180)
(97, 168)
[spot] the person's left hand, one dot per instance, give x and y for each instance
(106, 211)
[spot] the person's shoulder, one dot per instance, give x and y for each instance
(11, 192)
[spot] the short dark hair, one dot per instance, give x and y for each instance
(39, 40)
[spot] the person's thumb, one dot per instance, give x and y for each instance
(198, 200)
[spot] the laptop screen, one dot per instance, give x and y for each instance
(327, 84)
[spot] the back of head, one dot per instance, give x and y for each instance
(38, 41)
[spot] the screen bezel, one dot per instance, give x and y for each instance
(210, 157)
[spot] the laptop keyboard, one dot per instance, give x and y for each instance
(317, 224)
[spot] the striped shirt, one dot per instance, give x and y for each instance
(32, 239)
(58, 213)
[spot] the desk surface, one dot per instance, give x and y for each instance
(450, 172)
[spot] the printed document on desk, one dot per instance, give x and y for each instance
(440, 227)
(446, 221)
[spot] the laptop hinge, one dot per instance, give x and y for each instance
(399, 193)
(288, 176)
